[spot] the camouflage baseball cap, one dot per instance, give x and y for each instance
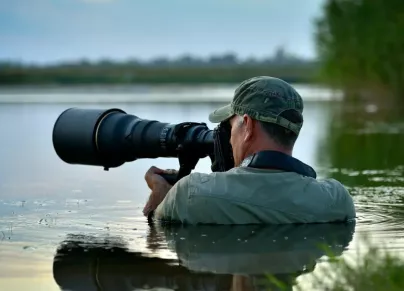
(263, 98)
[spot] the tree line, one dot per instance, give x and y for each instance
(223, 68)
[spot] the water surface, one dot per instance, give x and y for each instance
(72, 227)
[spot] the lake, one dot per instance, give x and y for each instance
(75, 227)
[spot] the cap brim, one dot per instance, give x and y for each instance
(221, 114)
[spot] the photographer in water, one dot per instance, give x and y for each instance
(266, 185)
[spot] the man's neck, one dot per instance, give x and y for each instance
(265, 146)
(260, 148)
(276, 160)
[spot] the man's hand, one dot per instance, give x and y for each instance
(159, 188)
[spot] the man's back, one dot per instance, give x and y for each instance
(250, 196)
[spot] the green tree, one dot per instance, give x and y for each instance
(360, 45)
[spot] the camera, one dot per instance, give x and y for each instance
(111, 137)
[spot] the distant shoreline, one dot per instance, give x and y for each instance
(116, 74)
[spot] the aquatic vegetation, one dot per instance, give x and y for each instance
(370, 268)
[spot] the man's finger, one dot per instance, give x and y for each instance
(170, 171)
(146, 210)
(154, 170)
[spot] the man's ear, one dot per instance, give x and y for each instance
(248, 127)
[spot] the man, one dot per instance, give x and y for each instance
(265, 116)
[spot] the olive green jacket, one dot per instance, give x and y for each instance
(245, 195)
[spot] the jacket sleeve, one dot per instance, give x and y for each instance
(195, 200)
(174, 207)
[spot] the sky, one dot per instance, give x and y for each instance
(46, 31)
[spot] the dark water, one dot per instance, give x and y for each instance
(66, 227)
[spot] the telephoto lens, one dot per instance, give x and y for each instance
(111, 137)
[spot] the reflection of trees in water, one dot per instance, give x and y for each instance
(365, 152)
(364, 145)
(239, 258)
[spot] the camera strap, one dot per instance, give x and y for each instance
(278, 160)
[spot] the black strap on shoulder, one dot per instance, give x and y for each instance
(278, 160)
